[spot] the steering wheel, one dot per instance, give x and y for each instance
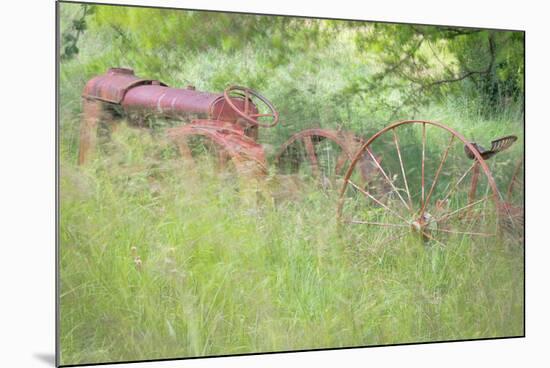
(246, 93)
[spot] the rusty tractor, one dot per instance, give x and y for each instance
(409, 194)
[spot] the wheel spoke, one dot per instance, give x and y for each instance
(506, 210)
(377, 201)
(311, 155)
(443, 159)
(402, 167)
(388, 180)
(432, 238)
(458, 182)
(445, 217)
(328, 159)
(340, 162)
(221, 110)
(443, 184)
(473, 185)
(360, 222)
(463, 232)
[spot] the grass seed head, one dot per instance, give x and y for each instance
(138, 263)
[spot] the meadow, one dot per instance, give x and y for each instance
(220, 275)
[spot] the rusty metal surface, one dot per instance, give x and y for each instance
(419, 220)
(510, 215)
(247, 155)
(498, 145)
(229, 122)
(113, 85)
(151, 97)
(141, 98)
(249, 111)
(347, 141)
(179, 103)
(93, 113)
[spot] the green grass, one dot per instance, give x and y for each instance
(220, 276)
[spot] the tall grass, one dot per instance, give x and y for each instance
(219, 275)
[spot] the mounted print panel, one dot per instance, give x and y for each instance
(238, 183)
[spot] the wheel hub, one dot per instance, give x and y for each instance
(425, 221)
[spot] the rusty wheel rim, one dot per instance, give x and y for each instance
(325, 153)
(421, 188)
(226, 142)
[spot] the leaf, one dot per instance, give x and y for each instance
(68, 37)
(79, 24)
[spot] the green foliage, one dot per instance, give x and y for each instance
(192, 32)
(426, 63)
(71, 35)
(389, 71)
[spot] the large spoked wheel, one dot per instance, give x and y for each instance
(250, 112)
(427, 176)
(320, 154)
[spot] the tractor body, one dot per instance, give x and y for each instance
(120, 93)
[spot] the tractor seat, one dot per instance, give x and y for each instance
(498, 145)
